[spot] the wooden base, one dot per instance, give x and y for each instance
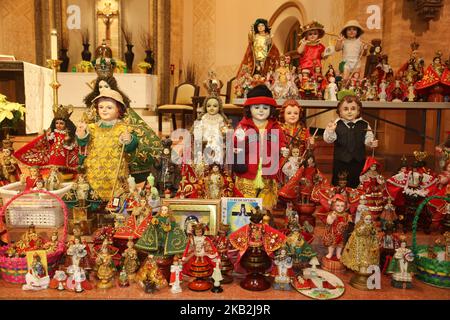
(359, 280)
(332, 265)
(255, 282)
(200, 285)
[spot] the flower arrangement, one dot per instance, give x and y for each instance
(144, 66)
(120, 66)
(85, 66)
(10, 112)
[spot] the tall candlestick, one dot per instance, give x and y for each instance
(54, 44)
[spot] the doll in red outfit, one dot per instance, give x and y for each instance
(311, 50)
(258, 141)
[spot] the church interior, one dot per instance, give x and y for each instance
(211, 150)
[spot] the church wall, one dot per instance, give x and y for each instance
(17, 29)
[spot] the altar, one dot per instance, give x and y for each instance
(140, 88)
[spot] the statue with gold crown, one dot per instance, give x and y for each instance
(141, 160)
(56, 147)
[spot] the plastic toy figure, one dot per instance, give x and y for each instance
(402, 267)
(77, 279)
(56, 147)
(311, 50)
(224, 247)
(352, 48)
(350, 134)
(168, 176)
(217, 278)
(332, 89)
(54, 179)
(106, 141)
(214, 183)
(130, 260)
(199, 259)
(105, 268)
(293, 163)
(256, 174)
(175, 276)
(261, 53)
(388, 216)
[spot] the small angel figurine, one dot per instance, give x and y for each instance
(402, 267)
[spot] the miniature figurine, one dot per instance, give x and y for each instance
(402, 267)
(149, 272)
(224, 247)
(361, 251)
(214, 183)
(9, 167)
(397, 91)
(337, 222)
(373, 57)
(54, 179)
(168, 177)
(388, 215)
(30, 181)
(332, 89)
(411, 92)
(282, 271)
(60, 276)
(256, 242)
(282, 81)
(435, 81)
(362, 207)
(40, 185)
(261, 53)
(258, 131)
(175, 276)
(382, 95)
(77, 279)
(56, 147)
(29, 241)
(123, 278)
(136, 223)
(105, 268)
(350, 134)
(292, 164)
(106, 140)
(162, 236)
(37, 277)
(199, 259)
(217, 277)
(152, 193)
(299, 249)
(52, 245)
(352, 48)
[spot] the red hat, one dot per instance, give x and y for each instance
(339, 197)
(260, 95)
(369, 162)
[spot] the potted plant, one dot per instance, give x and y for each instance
(10, 114)
(144, 66)
(121, 66)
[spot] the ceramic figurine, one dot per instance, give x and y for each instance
(282, 81)
(259, 126)
(388, 216)
(382, 94)
(52, 245)
(332, 90)
(411, 92)
(397, 91)
(336, 224)
(361, 251)
(214, 183)
(349, 153)
(311, 50)
(209, 130)
(402, 267)
(168, 177)
(136, 223)
(435, 81)
(37, 276)
(175, 276)
(362, 207)
(60, 276)
(130, 260)
(54, 179)
(40, 185)
(152, 193)
(56, 147)
(29, 241)
(150, 276)
(299, 249)
(292, 164)
(261, 54)
(199, 259)
(256, 242)
(105, 268)
(77, 279)
(352, 48)
(123, 279)
(282, 271)
(308, 87)
(217, 278)
(163, 236)
(106, 141)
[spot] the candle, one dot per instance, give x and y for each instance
(54, 45)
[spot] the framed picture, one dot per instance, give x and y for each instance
(204, 211)
(236, 211)
(37, 263)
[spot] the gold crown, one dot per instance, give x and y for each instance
(314, 25)
(62, 112)
(414, 46)
(420, 155)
